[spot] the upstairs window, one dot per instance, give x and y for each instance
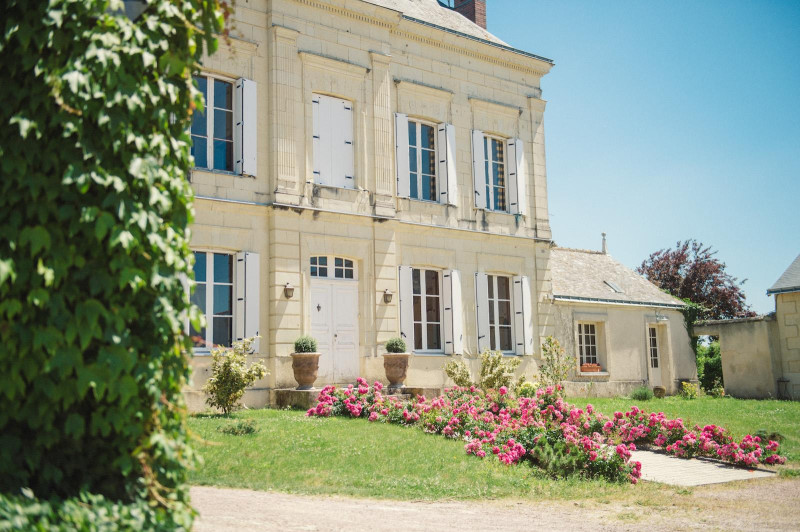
(332, 141)
(499, 173)
(426, 160)
(224, 133)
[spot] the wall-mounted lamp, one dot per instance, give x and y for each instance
(387, 296)
(661, 317)
(288, 290)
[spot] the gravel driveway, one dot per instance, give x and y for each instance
(765, 504)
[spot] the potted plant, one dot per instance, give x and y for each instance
(305, 362)
(395, 363)
(590, 368)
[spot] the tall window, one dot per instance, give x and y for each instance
(212, 130)
(494, 155)
(500, 334)
(652, 334)
(427, 310)
(422, 161)
(213, 273)
(587, 343)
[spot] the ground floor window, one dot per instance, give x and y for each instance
(427, 310)
(587, 343)
(213, 294)
(500, 333)
(652, 336)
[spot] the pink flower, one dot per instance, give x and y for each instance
(592, 455)
(503, 390)
(373, 416)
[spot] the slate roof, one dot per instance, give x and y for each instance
(582, 275)
(789, 281)
(431, 12)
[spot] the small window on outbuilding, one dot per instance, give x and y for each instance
(614, 286)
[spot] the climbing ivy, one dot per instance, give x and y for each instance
(94, 210)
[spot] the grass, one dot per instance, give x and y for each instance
(295, 454)
(291, 453)
(740, 416)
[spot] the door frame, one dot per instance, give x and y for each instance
(331, 282)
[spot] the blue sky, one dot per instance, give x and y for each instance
(670, 120)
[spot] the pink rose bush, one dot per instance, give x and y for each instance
(544, 431)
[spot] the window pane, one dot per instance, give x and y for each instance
(413, 191)
(431, 282)
(492, 341)
(434, 338)
(348, 274)
(504, 312)
(428, 188)
(223, 268)
(339, 273)
(490, 278)
(417, 308)
(338, 261)
(199, 123)
(223, 299)
(428, 162)
(412, 133)
(502, 288)
(223, 125)
(223, 331)
(198, 337)
(415, 282)
(223, 155)
(313, 271)
(417, 336)
(427, 136)
(202, 86)
(200, 151)
(223, 94)
(199, 297)
(314, 260)
(348, 263)
(323, 272)
(323, 261)
(505, 339)
(412, 160)
(492, 321)
(199, 266)
(432, 309)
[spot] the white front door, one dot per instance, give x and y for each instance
(653, 356)
(334, 324)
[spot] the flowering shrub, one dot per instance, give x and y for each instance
(544, 430)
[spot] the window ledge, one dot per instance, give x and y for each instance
(591, 376)
(220, 172)
(429, 354)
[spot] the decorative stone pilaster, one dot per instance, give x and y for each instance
(540, 212)
(382, 128)
(284, 106)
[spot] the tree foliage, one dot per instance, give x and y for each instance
(94, 210)
(556, 365)
(692, 271)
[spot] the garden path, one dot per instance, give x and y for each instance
(660, 467)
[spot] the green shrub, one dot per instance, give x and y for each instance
(458, 371)
(305, 344)
(86, 511)
(240, 428)
(689, 390)
(527, 389)
(396, 345)
(556, 363)
(230, 376)
(642, 393)
(94, 211)
(497, 370)
(709, 366)
(717, 390)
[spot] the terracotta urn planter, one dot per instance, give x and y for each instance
(659, 391)
(590, 368)
(396, 367)
(305, 366)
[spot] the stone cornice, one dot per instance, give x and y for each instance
(340, 66)
(536, 104)
(430, 90)
(495, 107)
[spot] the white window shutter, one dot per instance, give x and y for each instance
(318, 109)
(406, 306)
(482, 310)
(245, 142)
(453, 312)
(478, 170)
(240, 291)
(252, 299)
(401, 154)
(516, 165)
(446, 164)
(523, 318)
(347, 172)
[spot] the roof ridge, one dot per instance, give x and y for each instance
(580, 250)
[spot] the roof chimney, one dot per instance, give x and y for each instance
(605, 247)
(475, 10)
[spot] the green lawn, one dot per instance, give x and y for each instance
(296, 454)
(740, 416)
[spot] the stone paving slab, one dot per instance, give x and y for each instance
(660, 467)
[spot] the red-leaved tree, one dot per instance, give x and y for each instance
(691, 271)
